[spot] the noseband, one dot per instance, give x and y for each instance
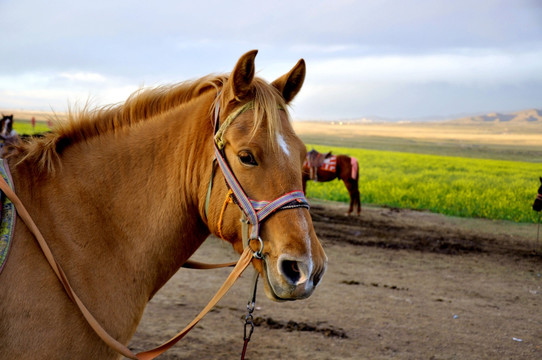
(254, 212)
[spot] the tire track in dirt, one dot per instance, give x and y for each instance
(383, 228)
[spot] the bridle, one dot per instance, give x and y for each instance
(254, 213)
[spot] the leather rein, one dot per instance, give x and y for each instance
(254, 212)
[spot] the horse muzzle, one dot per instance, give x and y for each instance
(291, 278)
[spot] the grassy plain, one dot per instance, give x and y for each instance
(26, 128)
(23, 120)
(486, 170)
(27, 115)
(503, 141)
(469, 170)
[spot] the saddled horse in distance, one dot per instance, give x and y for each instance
(119, 194)
(537, 205)
(327, 167)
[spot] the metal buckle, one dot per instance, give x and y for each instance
(258, 254)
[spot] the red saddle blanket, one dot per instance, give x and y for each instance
(329, 164)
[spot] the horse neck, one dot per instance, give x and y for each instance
(125, 204)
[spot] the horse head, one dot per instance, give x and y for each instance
(265, 156)
(7, 117)
(5, 124)
(537, 205)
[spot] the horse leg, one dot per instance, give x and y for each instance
(351, 192)
(359, 204)
(356, 196)
(354, 179)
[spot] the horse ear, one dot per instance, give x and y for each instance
(289, 84)
(242, 75)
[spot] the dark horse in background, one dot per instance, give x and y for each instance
(537, 205)
(7, 134)
(326, 167)
(6, 125)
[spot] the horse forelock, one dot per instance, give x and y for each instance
(268, 104)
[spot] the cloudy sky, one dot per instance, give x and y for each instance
(395, 59)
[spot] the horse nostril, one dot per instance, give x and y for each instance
(290, 270)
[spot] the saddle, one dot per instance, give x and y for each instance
(316, 160)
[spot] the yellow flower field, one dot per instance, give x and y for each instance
(492, 189)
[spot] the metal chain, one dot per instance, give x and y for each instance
(249, 318)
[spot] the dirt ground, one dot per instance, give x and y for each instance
(399, 285)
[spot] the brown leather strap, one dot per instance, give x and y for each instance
(241, 265)
(190, 264)
(244, 261)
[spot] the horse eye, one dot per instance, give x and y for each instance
(247, 158)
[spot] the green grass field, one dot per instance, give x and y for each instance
(25, 128)
(465, 187)
(458, 186)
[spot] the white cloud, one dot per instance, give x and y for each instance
(44, 91)
(323, 48)
(467, 66)
(363, 57)
(81, 76)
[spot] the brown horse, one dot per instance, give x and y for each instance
(320, 167)
(119, 194)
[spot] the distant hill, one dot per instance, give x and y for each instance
(520, 117)
(27, 115)
(524, 116)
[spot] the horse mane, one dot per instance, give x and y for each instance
(43, 152)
